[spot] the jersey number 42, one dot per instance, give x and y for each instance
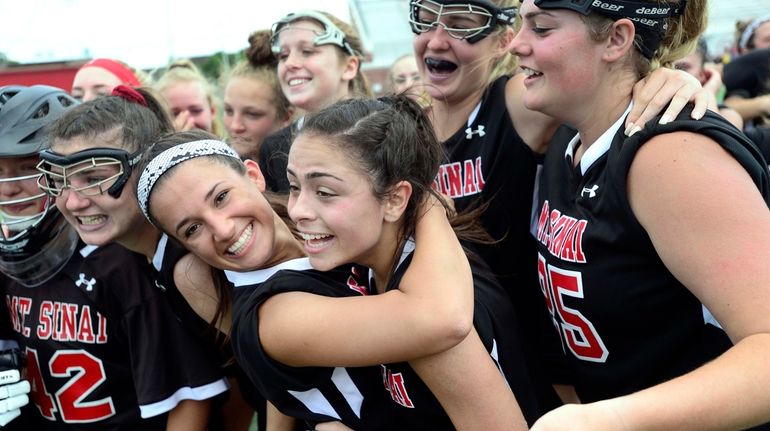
(85, 373)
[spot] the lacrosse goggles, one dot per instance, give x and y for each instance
(471, 20)
(89, 172)
(331, 35)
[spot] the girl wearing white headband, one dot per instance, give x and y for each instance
(286, 316)
(746, 76)
(756, 35)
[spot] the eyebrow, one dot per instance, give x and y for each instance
(314, 175)
(535, 14)
(185, 220)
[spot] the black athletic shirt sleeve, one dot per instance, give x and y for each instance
(313, 394)
(747, 76)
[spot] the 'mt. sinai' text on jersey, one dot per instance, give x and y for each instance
(104, 352)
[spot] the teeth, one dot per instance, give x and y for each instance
(89, 220)
(237, 247)
(297, 81)
(312, 236)
(530, 72)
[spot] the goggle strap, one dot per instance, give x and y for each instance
(507, 15)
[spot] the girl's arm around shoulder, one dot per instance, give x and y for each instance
(440, 277)
(471, 388)
(663, 88)
(670, 89)
(430, 312)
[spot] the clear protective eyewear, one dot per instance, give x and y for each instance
(90, 172)
(470, 20)
(331, 35)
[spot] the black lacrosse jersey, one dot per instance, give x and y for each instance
(625, 321)
(313, 394)
(488, 163)
(167, 255)
(747, 76)
(495, 322)
(104, 351)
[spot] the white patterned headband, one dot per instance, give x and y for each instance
(750, 29)
(172, 157)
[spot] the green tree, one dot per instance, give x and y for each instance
(218, 63)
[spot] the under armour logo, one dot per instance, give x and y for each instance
(160, 286)
(591, 192)
(89, 283)
(470, 132)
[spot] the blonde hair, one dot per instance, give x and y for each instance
(504, 65)
(183, 71)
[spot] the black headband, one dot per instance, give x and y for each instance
(649, 19)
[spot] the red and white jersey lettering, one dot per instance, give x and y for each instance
(394, 384)
(354, 281)
(104, 351)
(460, 179)
(561, 234)
(626, 323)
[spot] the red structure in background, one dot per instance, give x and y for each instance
(59, 74)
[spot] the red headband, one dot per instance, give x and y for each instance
(129, 94)
(122, 72)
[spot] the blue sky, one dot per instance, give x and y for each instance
(144, 35)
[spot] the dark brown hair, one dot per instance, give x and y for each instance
(123, 123)
(390, 140)
(278, 203)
